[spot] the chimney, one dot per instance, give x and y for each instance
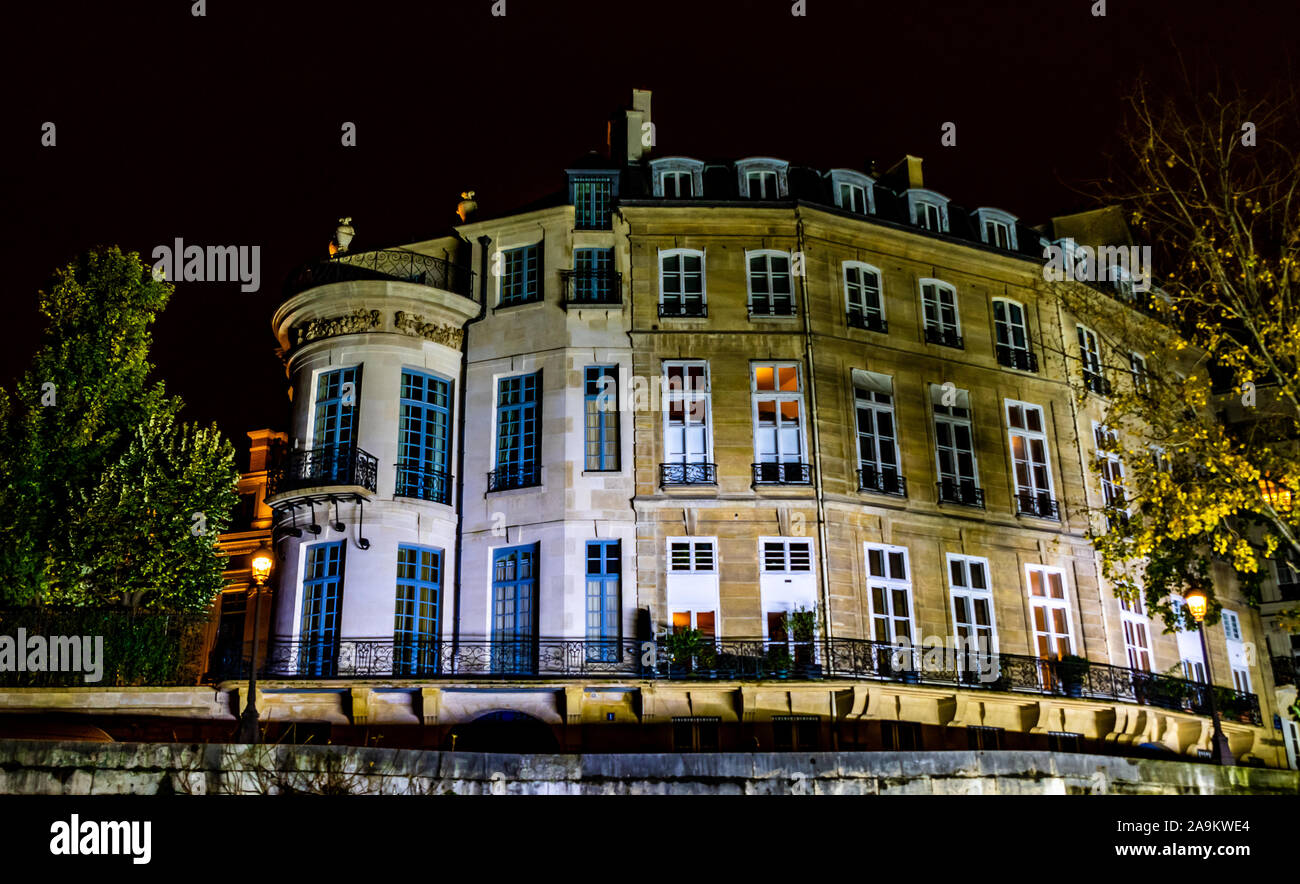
(905, 174)
(629, 144)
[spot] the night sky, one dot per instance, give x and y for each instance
(225, 129)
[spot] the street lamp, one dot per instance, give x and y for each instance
(1197, 604)
(263, 561)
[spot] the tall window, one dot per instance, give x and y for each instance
(954, 446)
(592, 201)
(600, 400)
(1189, 643)
(1012, 333)
(1137, 643)
(322, 602)
(972, 604)
(416, 621)
(688, 442)
(338, 395)
(786, 586)
(424, 437)
(604, 565)
(1114, 507)
(1049, 612)
(770, 291)
(1090, 356)
(520, 275)
(1137, 366)
(1237, 660)
(594, 280)
(873, 396)
(939, 308)
(518, 423)
(692, 583)
(889, 589)
(862, 296)
(514, 609)
(778, 424)
(681, 283)
(1029, 461)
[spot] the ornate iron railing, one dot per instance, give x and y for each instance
(1015, 357)
(1096, 383)
(671, 307)
(516, 476)
(963, 492)
(735, 658)
(943, 336)
(882, 481)
(329, 465)
(412, 481)
(775, 473)
(688, 474)
(869, 321)
(591, 287)
(771, 306)
(383, 264)
(1041, 505)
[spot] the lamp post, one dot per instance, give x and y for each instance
(249, 731)
(1197, 604)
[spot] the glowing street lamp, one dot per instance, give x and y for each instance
(1197, 604)
(262, 562)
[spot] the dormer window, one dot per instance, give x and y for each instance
(677, 178)
(762, 179)
(928, 210)
(592, 195)
(997, 228)
(853, 192)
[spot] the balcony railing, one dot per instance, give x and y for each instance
(1040, 505)
(329, 465)
(963, 492)
(1015, 357)
(1096, 383)
(384, 264)
(882, 481)
(514, 476)
(946, 337)
(413, 481)
(591, 288)
(688, 474)
(869, 321)
(771, 307)
(782, 474)
(732, 658)
(670, 307)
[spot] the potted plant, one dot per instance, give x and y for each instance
(706, 660)
(682, 646)
(801, 626)
(778, 660)
(1073, 671)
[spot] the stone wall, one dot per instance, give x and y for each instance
(68, 768)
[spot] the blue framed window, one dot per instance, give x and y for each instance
(604, 566)
(593, 200)
(514, 609)
(415, 622)
(338, 396)
(593, 277)
(322, 599)
(518, 422)
(424, 438)
(521, 275)
(600, 395)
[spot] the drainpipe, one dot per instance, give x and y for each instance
(484, 242)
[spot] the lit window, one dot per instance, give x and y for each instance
(1049, 611)
(1033, 475)
(778, 424)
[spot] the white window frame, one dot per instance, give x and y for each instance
(693, 555)
(1029, 436)
(704, 278)
(1112, 472)
(696, 587)
(947, 416)
(1136, 626)
(841, 178)
(1190, 654)
(757, 395)
(1231, 625)
(875, 384)
(986, 216)
(1089, 358)
(779, 168)
(919, 197)
(768, 255)
(1049, 604)
(677, 165)
(863, 269)
(689, 398)
(889, 585)
(1011, 326)
(1137, 369)
(970, 594)
(938, 285)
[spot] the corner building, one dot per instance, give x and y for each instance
(673, 461)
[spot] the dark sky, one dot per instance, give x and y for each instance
(225, 129)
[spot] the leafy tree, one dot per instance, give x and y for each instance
(1207, 432)
(98, 480)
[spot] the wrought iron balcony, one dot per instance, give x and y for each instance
(964, 492)
(1040, 505)
(1015, 357)
(1096, 383)
(782, 474)
(383, 264)
(869, 321)
(886, 481)
(327, 466)
(943, 336)
(668, 308)
(422, 484)
(591, 288)
(514, 476)
(771, 307)
(688, 474)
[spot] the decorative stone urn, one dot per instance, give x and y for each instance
(343, 235)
